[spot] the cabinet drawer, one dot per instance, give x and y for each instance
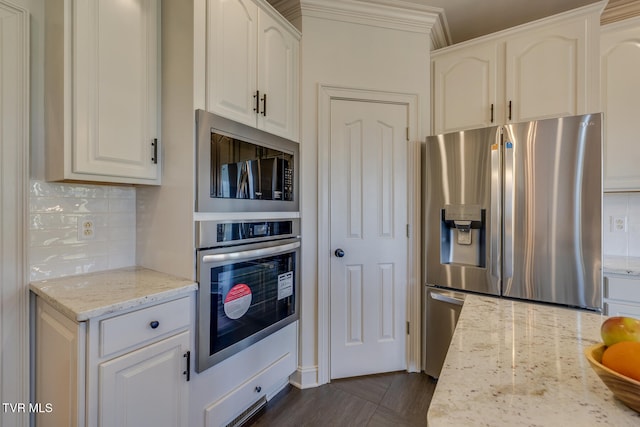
(140, 327)
(622, 289)
(617, 309)
(256, 388)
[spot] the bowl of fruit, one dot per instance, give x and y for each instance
(617, 359)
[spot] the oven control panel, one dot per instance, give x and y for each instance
(223, 233)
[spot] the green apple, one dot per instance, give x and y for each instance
(620, 328)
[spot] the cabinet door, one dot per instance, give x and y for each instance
(231, 59)
(546, 72)
(115, 97)
(277, 78)
(620, 68)
(59, 377)
(146, 387)
(615, 308)
(465, 89)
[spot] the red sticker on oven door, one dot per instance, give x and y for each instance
(237, 301)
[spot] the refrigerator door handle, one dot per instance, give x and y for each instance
(444, 298)
(509, 188)
(496, 214)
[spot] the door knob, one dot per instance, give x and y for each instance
(339, 253)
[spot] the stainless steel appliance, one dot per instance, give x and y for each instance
(441, 308)
(515, 211)
(248, 282)
(243, 169)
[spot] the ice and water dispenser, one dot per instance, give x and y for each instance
(463, 235)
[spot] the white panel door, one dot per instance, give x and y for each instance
(146, 387)
(368, 223)
(545, 73)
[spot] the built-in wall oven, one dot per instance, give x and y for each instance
(243, 169)
(248, 277)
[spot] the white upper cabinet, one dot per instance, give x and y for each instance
(620, 68)
(252, 66)
(466, 89)
(232, 59)
(102, 91)
(546, 72)
(548, 68)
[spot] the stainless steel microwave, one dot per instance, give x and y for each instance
(243, 169)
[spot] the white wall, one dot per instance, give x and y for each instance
(355, 56)
(627, 242)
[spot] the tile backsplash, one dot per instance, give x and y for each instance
(56, 246)
(621, 224)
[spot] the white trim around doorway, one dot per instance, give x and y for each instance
(327, 93)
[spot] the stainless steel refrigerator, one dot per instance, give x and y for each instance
(511, 211)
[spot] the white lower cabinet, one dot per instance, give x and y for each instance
(145, 387)
(121, 369)
(227, 392)
(253, 391)
(621, 296)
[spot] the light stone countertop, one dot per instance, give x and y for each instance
(621, 265)
(86, 296)
(516, 363)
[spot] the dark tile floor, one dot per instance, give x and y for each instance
(395, 399)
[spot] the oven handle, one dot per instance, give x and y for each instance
(237, 256)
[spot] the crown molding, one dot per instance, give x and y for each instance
(289, 9)
(440, 34)
(619, 10)
(392, 14)
(436, 20)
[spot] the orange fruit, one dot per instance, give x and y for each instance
(624, 358)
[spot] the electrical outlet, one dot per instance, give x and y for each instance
(86, 229)
(618, 223)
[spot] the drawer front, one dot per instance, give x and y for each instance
(622, 289)
(258, 387)
(617, 309)
(142, 326)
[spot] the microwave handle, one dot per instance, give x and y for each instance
(254, 253)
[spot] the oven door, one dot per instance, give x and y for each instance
(246, 293)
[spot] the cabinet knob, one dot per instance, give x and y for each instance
(154, 324)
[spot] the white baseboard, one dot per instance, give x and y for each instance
(305, 377)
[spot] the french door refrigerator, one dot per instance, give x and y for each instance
(513, 211)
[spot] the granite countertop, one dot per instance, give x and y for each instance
(621, 265)
(91, 295)
(516, 363)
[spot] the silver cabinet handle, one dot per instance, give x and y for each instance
(445, 298)
(237, 256)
